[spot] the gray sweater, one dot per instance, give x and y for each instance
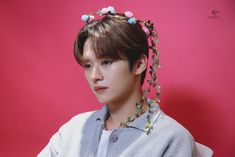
(80, 138)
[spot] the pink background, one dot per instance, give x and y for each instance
(42, 87)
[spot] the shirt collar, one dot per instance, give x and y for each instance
(153, 112)
(102, 114)
(139, 123)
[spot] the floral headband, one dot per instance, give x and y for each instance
(149, 29)
(111, 11)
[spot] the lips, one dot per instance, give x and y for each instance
(100, 89)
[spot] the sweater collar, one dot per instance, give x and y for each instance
(140, 123)
(153, 113)
(102, 114)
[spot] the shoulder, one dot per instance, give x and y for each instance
(171, 125)
(78, 121)
(67, 135)
(173, 137)
(165, 125)
(81, 118)
(172, 131)
(83, 121)
(73, 130)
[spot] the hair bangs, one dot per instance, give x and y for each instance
(103, 48)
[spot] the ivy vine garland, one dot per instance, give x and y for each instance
(149, 28)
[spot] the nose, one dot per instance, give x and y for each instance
(96, 74)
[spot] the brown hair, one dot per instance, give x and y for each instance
(113, 37)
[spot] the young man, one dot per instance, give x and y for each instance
(114, 52)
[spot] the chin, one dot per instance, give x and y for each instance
(104, 101)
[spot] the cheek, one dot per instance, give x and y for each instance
(87, 76)
(121, 76)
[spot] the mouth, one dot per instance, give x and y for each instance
(100, 89)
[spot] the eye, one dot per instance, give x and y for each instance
(86, 66)
(107, 62)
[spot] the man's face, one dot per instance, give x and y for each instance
(111, 81)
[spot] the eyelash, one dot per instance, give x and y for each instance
(87, 66)
(105, 63)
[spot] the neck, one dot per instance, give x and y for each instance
(120, 111)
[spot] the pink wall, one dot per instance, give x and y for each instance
(42, 87)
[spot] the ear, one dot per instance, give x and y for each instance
(141, 64)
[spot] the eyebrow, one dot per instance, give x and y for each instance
(85, 60)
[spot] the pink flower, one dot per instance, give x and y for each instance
(146, 30)
(104, 11)
(128, 14)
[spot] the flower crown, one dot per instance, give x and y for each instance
(111, 11)
(149, 29)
